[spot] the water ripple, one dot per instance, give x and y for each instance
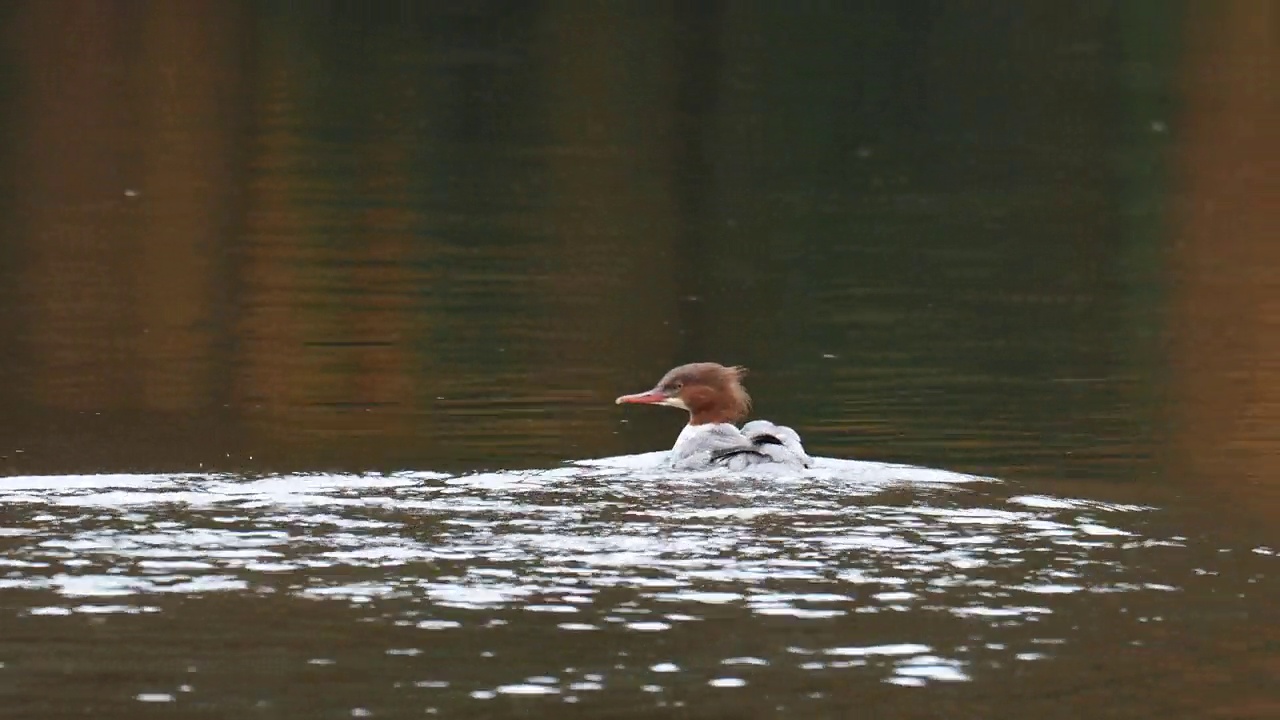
(601, 547)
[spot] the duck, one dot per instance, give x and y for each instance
(716, 401)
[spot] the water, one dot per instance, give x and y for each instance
(314, 316)
(416, 591)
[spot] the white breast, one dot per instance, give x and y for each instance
(691, 434)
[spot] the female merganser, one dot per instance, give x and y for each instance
(714, 396)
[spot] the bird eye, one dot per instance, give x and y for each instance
(677, 386)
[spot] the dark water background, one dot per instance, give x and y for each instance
(305, 305)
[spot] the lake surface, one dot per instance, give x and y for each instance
(313, 313)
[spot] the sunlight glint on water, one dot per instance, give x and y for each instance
(577, 547)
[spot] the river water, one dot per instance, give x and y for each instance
(315, 314)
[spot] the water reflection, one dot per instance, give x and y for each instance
(841, 573)
(248, 241)
(290, 238)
